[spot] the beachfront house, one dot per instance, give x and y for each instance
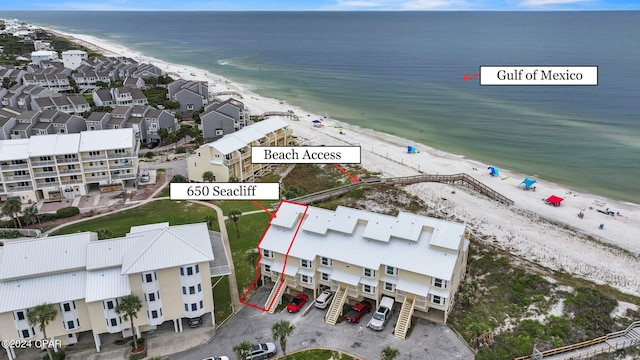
(169, 268)
(57, 165)
(37, 56)
(192, 95)
(221, 118)
(230, 157)
(72, 59)
(416, 260)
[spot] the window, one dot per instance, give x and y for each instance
(73, 177)
(25, 334)
(194, 307)
(197, 269)
(439, 283)
(189, 106)
(192, 290)
(71, 324)
(94, 153)
(324, 276)
(369, 272)
(437, 299)
(154, 314)
(181, 271)
(71, 167)
(201, 304)
(189, 270)
(369, 289)
(389, 287)
(148, 278)
(267, 268)
(110, 305)
(66, 307)
(390, 270)
(47, 168)
(20, 315)
(114, 321)
(152, 297)
(219, 132)
(306, 263)
(184, 290)
(267, 253)
(326, 261)
(306, 279)
(45, 158)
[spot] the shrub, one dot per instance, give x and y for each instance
(9, 234)
(48, 217)
(68, 211)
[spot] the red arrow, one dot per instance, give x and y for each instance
(466, 77)
(264, 208)
(352, 177)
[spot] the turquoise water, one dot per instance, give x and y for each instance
(403, 72)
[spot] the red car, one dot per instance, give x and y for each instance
(297, 303)
(357, 311)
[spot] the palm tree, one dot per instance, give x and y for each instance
(31, 215)
(389, 353)
(234, 215)
(280, 331)
(128, 307)
(243, 350)
(208, 176)
(104, 233)
(41, 316)
(210, 220)
(11, 208)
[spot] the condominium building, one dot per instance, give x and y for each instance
(60, 166)
(417, 260)
(167, 267)
(230, 157)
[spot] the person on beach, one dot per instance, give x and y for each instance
(360, 331)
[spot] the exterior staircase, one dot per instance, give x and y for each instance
(404, 319)
(336, 306)
(276, 293)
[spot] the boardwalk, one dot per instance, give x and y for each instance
(459, 179)
(588, 349)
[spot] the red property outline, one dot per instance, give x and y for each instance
(286, 257)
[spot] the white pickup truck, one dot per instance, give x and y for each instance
(382, 315)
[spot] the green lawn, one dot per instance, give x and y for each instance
(175, 212)
(221, 298)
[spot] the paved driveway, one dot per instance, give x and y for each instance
(427, 340)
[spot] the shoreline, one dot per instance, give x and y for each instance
(610, 255)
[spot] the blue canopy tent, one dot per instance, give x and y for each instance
(411, 150)
(494, 171)
(528, 183)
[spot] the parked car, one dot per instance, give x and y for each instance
(297, 303)
(151, 145)
(357, 311)
(382, 315)
(217, 358)
(144, 177)
(262, 351)
(324, 299)
(195, 322)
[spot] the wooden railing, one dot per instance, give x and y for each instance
(568, 348)
(280, 113)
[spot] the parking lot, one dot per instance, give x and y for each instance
(426, 341)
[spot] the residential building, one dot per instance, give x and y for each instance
(230, 156)
(192, 95)
(417, 260)
(67, 165)
(37, 56)
(167, 267)
(72, 59)
(98, 120)
(221, 118)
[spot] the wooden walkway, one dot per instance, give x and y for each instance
(232, 93)
(588, 349)
(456, 179)
(280, 113)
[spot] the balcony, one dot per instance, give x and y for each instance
(123, 176)
(15, 166)
(17, 178)
(42, 162)
(69, 171)
(95, 168)
(121, 166)
(43, 174)
(19, 189)
(67, 160)
(119, 155)
(71, 182)
(47, 185)
(93, 157)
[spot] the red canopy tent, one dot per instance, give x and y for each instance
(554, 200)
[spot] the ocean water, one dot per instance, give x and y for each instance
(401, 73)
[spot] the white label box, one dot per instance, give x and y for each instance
(305, 154)
(555, 75)
(225, 191)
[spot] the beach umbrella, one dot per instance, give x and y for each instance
(316, 121)
(493, 171)
(528, 183)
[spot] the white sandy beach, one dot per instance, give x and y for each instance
(530, 229)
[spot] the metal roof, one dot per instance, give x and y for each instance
(168, 247)
(345, 277)
(412, 287)
(55, 144)
(51, 289)
(410, 242)
(26, 258)
(241, 138)
(106, 284)
(106, 139)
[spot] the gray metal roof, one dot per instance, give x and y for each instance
(106, 284)
(52, 289)
(380, 239)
